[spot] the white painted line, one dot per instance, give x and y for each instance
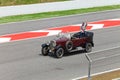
(106, 57)
(2, 40)
(103, 50)
(76, 25)
(114, 19)
(96, 26)
(50, 32)
(97, 74)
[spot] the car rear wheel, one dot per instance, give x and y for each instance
(59, 52)
(45, 51)
(88, 47)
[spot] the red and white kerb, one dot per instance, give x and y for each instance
(55, 31)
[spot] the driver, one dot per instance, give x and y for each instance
(83, 27)
(82, 32)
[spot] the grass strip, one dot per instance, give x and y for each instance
(22, 2)
(55, 14)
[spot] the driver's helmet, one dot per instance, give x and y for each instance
(83, 27)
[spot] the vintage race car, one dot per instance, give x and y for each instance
(66, 43)
(69, 43)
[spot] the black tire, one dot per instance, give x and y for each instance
(44, 51)
(59, 52)
(88, 47)
(69, 46)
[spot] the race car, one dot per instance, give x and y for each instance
(66, 43)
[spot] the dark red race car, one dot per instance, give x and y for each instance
(66, 43)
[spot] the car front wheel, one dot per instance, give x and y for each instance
(59, 52)
(88, 47)
(69, 45)
(45, 51)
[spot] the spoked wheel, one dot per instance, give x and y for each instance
(45, 51)
(88, 47)
(59, 53)
(69, 46)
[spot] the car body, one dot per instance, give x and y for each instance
(66, 43)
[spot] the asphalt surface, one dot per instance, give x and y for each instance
(22, 60)
(56, 22)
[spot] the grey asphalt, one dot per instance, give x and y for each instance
(22, 60)
(56, 22)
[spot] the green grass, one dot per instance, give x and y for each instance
(55, 14)
(20, 2)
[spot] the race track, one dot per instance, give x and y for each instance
(21, 60)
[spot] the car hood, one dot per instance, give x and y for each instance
(62, 39)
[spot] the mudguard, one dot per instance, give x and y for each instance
(44, 45)
(57, 47)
